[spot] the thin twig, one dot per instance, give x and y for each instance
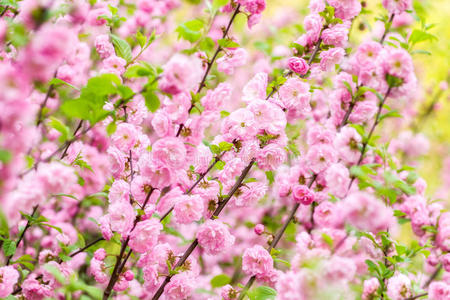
(215, 161)
(216, 213)
(119, 265)
(22, 234)
(276, 239)
(386, 29)
(211, 62)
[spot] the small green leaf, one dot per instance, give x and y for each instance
(262, 293)
(5, 156)
(122, 47)
(227, 43)
(225, 146)
(9, 247)
(151, 100)
(216, 4)
(220, 280)
(61, 128)
(56, 81)
(190, 30)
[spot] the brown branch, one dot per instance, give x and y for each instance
(276, 239)
(119, 265)
(216, 213)
(216, 160)
(211, 62)
(22, 234)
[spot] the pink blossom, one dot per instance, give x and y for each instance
(181, 73)
(370, 287)
(313, 26)
(302, 194)
(399, 287)
(256, 88)
(443, 234)
(337, 177)
(9, 277)
(270, 157)
(169, 151)
(215, 99)
(100, 254)
(117, 161)
(397, 62)
(345, 9)
(214, 237)
(256, 261)
(121, 216)
(298, 65)
(114, 64)
(346, 143)
(154, 172)
(162, 124)
(259, 229)
(438, 290)
(320, 157)
(290, 286)
(104, 47)
(253, 6)
(336, 35)
(250, 194)
(268, 117)
(34, 290)
(145, 235)
(188, 209)
(180, 286)
(239, 124)
(326, 214)
(367, 52)
(295, 94)
(232, 59)
(228, 293)
(331, 57)
(119, 191)
(397, 6)
(365, 212)
(316, 6)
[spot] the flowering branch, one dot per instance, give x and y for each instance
(216, 213)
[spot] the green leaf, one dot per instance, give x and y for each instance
(418, 36)
(190, 30)
(10, 3)
(111, 128)
(4, 227)
(122, 47)
(227, 43)
(56, 81)
(141, 39)
(390, 114)
(125, 92)
(220, 280)
(262, 293)
(138, 71)
(60, 127)
(5, 156)
(225, 146)
(151, 100)
(214, 149)
(224, 114)
(9, 247)
(399, 213)
(328, 239)
(270, 176)
(216, 4)
(207, 44)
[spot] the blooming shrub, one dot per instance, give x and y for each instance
(144, 157)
